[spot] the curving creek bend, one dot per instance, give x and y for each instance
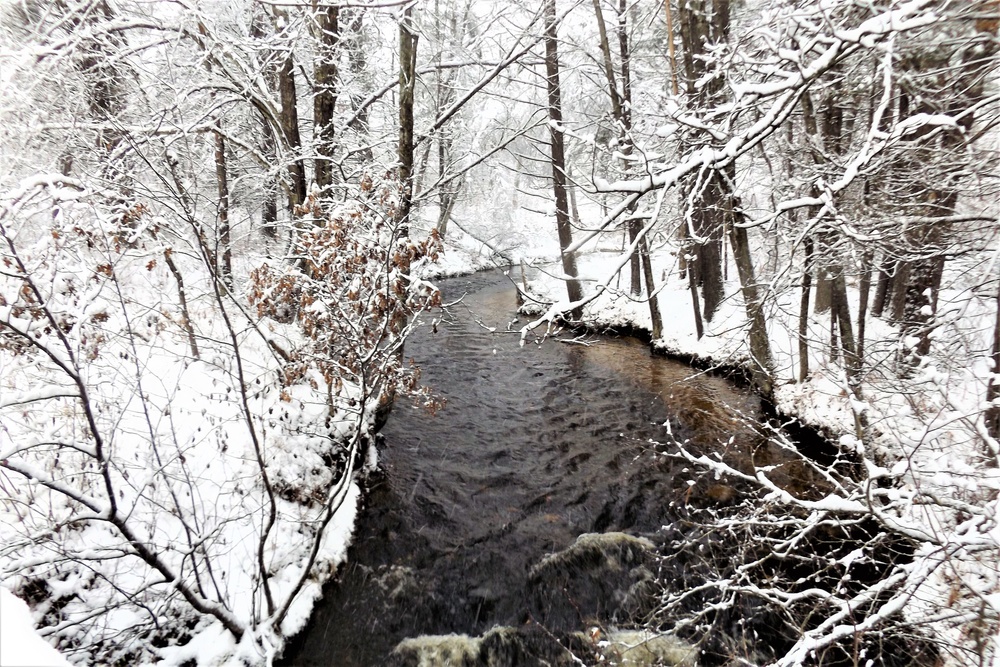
(535, 446)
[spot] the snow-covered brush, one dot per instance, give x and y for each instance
(157, 505)
(836, 559)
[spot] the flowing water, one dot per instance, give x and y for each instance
(535, 445)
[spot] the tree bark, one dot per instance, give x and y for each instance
(882, 287)
(267, 140)
(864, 289)
(804, 312)
(573, 289)
(325, 75)
(407, 84)
(993, 386)
(900, 280)
(761, 360)
(225, 270)
(290, 130)
(852, 365)
(654, 305)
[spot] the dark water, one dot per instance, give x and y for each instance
(536, 445)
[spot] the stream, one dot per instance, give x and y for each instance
(534, 446)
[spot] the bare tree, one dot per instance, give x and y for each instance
(407, 84)
(556, 146)
(702, 25)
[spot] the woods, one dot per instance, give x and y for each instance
(219, 219)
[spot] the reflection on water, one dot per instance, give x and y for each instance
(535, 445)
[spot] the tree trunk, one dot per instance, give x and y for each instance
(182, 298)
(609, 70)
(687, 262)
(625, 120)
(269, 207)
(852, 362)
(635, 266)
(325, 92)
(224, 240)
(852, 365)
(823, 299)
(864, 289)
(670, 48)
(708, 225)
(968, 69)
(761, 361)
(448, 199)
(882, 287)
(625, 54)
(682, 255)
(106, 101)
(993, 386)
(920, 305)
(290, 130)
(622, 119)
(834, 316)
(804, 312)
(654, 306)
(445, 96)
(573, 290)
(267, 140)
(699, 326)
(574, 212)
(900, 280)
(407, 84)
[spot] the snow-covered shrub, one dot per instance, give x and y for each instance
(350, 294)
(178, 474)
(865, 563)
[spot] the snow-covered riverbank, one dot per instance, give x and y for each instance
(921, 430)
(181, 452)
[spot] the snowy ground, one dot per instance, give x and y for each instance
(20, 645)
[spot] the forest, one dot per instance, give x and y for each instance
(220, 222)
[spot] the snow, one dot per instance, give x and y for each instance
(20, 645)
